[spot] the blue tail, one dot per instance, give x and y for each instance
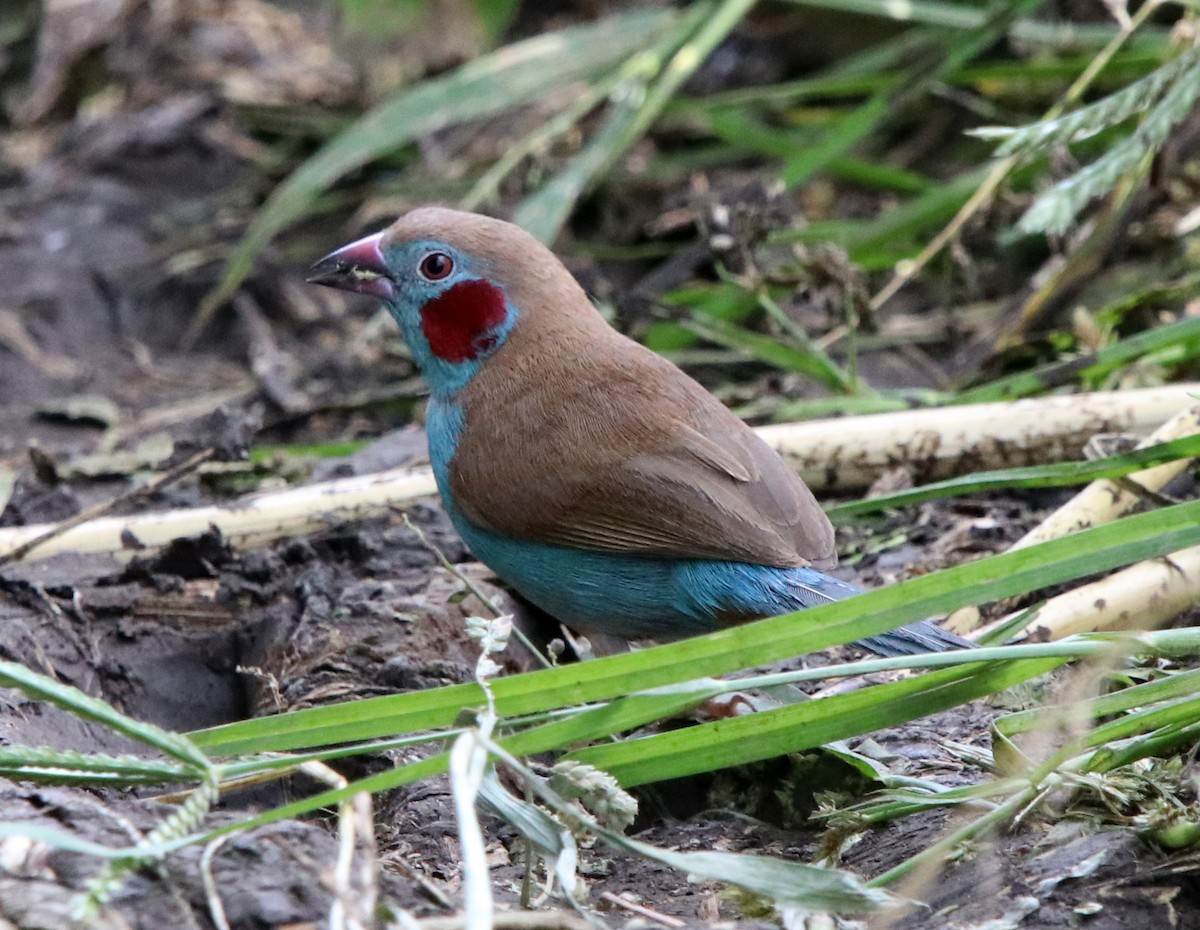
(749, 591)
(915, 639)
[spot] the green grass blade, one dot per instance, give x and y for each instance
(771, 351)
(880, 242)
(381, 781)
(1184, 333)
(63, 766)
(802, 726)
(1167, 688)
(856, 405)
(316, 450)
(847, 132)
(966, 16)
(544, 213)
(628, 713)
(86, 707)
(1058, 475)
(509, 77)
(1024, 77)
(1173, 737)
(1183, 711)
(1171, 688)
(741, 132)
(1124, 732)
(1174, 644)
(870, 174)
(595, 723)
(1088, 552)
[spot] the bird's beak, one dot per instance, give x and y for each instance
(357, 267)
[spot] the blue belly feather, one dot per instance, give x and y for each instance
(640, 597)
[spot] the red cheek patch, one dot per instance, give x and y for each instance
(457, 323)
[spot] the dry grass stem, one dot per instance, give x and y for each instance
(1144, 596)
(1105, 500)
(851, 452)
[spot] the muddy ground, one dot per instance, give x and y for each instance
(110, 232)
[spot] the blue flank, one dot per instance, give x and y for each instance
(641, 597)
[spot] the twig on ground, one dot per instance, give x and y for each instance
(104, 507)
(216, 908)
(665, 919)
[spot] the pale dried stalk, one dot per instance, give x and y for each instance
(251, 521)
(1144, 596)
(1105, 500)
(216, 906)
(355, 891)
(852, 452)
(844, 454)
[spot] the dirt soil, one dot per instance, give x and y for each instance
(107, 241)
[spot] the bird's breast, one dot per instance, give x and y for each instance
(444, 424)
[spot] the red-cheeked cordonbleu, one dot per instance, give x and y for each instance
(591, 474)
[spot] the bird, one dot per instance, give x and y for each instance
(592, 475)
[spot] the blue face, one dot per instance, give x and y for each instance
(452, 317)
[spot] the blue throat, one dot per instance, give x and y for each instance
(445, 378)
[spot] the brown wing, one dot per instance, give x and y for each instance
(620, 451)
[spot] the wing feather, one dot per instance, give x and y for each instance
(631, 457)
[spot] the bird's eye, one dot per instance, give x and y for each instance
(435, 266)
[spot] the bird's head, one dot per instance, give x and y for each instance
(457, 283)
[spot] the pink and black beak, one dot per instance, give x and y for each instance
(357, 267)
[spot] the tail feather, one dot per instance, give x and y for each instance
(915, 639)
